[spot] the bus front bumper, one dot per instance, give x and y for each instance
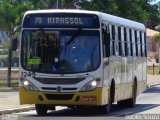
(98, 96)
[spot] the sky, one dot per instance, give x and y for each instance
(155, 1)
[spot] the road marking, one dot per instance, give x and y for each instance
(123, 114)
(152, 106)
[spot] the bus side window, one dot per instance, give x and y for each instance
(131, 46)
(125, 41)
(141, 44)
(136, 42)
(106, 41)
(128, 43)
(145, 44)
(113, 40)
(116, 41)
(122, 41)
(133, 43)
(119, 40)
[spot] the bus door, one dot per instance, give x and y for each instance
(106, 52)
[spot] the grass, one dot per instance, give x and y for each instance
(3, 85)
(150, 70)
(5, 88)
(12, 82)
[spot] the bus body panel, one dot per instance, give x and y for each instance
(123, 70)
(98, 96)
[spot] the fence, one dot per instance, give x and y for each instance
(4, 75)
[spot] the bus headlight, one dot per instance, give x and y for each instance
(29, 86)
(89, 86)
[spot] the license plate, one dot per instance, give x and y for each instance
(89, 98)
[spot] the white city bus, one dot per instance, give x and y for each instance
(80, 58)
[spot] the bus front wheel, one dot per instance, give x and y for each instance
(41, 109)
(105, 108)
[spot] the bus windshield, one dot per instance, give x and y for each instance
(60, 51)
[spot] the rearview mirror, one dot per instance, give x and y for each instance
(14, 42)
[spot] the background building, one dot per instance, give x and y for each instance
(151, 44)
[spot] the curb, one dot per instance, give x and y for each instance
(152, 85)
(16, 110)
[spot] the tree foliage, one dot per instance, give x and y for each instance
(138, 10)
(11, 11)
(156, 37)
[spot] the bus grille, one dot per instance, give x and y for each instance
(62, 81)
(59, 97)
(51, 88)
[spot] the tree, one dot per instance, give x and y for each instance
(9, 18)
(52, 4)
(12, 11)
(137, 10)
(156, 37)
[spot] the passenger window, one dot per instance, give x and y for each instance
(141, 44)
(145, 45)
(131, 46)
(116, 41)
(120, 42)
(136, 42)
(133, 43)
(113, 32)
(112, 36)
(125, 41)
(106, 41)
(128, 43)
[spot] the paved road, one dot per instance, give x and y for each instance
(147, 103)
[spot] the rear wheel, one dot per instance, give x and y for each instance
(41, 109)
(131, 101)
(112, 93)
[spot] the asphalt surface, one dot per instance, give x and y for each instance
(147, 103)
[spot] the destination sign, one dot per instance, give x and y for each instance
(57, 21)
(61, 20)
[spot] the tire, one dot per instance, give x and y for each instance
(131, 101)
(79, 107)
(122, 103)
(111, 96)
(108, 108)
(71, 107)
(105, 109)
(41, 109)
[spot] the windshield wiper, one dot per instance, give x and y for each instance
(74, 36)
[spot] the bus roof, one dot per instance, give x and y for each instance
(104, 17)
(122, 21)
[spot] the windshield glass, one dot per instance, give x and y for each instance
(62, 51)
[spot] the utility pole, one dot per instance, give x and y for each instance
(12, 32)
(9, 59)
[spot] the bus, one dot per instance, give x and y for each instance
(79, 59)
